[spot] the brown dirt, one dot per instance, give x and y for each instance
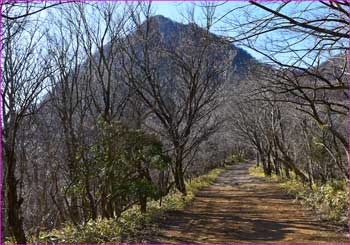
(239, 208)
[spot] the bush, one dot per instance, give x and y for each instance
(256, 171)
(234, 159)
(331, 201)
(94, 231)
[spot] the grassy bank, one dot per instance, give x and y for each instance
(328, 200)
(132, 226)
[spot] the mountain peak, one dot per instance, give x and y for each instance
(171, 34)
(163, 24)
(160, 17)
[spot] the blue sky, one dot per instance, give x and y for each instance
(176, 10)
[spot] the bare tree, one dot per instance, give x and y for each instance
(25, 70)
(180, 88)
(308, 65)
(21, 10)
(100, 27)
(69, 101)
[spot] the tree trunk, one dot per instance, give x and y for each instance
(257, 159)
(286, 169)
(265, 167)
(74, 210)
(15, 221)
(290, 165)
(143, 203)
(309, 170)
(179, 174)
(179, 179)
(269, 165)
(104, 204)
(277, 167)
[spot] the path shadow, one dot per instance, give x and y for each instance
(239, 208)
(223, 228)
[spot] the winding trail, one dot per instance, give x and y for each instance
(239, 208)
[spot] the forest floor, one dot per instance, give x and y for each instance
(240, 208)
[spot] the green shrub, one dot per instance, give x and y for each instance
(234, 159)
(94, 231)
(331, 201)
(256, 171)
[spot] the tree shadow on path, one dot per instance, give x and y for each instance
(239, 208)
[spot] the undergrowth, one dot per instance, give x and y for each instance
(131, 226)
(328, 200)
(234, 159)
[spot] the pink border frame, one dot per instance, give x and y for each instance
(1, 177)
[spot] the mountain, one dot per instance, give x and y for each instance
(173, 32)
(166, 33)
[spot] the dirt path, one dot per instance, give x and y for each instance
(240, 208)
